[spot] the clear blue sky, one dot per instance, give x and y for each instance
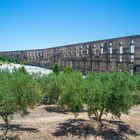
(32, 24)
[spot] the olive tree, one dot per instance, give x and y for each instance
(109, 93)
(120, 97)
(18, 92)
(52, 87)
(136, 81)
(71, 96)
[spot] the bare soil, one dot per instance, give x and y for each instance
(46, 122)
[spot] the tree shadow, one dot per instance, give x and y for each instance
(52, 108)
(75, 127)
(19, 128)
(10, 137)
(56, 109)
(122, 127)
(84, 128)
(14, 128)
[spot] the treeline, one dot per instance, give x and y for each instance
(99, 93)
(7, 59)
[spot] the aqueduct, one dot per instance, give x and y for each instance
(121, 53)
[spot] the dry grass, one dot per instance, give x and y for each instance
(50, 123)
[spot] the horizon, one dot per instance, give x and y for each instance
(34, 24)
(75, 43)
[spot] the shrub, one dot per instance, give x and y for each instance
(56, 69)
(68, 69)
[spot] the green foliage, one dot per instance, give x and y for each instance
(101, 93)
(56, 69)
(53, 87)
(120, 97)
(26, 90)
(68, 69)
(22, 70)
(96, 91)
(136, 81)
(43, 81)
(65, 90)
(109, 93)
(5, 59)
(18, 92)
(17, 59)
(71, 96)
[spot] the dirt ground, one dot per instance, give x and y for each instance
(46, 122)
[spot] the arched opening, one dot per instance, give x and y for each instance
(132, 47)
(102, 49)
(94, 49)
(110, 48)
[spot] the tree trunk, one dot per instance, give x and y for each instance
(96, 115)
(101, 114)
(5, 118)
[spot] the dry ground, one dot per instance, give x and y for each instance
(49, 123)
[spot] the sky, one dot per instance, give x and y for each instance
(38, 24)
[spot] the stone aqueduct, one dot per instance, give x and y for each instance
(121, 53)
